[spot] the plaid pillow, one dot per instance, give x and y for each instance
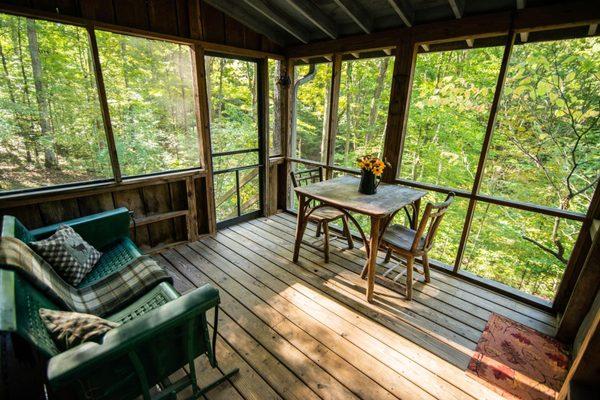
(69, 329)
(70, 256)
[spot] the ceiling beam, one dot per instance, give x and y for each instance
(539, 18)
(404, 11)
(357, 14)
(458, 7)
(524, 36)
(237, 13)
(278, 19)
(316, 17)
(425, 46)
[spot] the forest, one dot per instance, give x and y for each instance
(545, 148)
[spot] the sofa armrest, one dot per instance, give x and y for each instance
(138, 334)
(98, 230)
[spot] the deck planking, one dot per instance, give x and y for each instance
(305, 330)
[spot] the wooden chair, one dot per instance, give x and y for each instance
(410, 244)
(324, 215)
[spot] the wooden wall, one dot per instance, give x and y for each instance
(186, 18)
(164, 210)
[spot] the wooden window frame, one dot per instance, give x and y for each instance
(405, 54)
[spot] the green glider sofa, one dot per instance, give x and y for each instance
(161, 331)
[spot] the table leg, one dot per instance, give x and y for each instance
(300, 226)
(371, 265)
(415, 217)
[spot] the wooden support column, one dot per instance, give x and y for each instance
(203, 125)
(487, 140)
(110, 138)
(404, 66)
(286, 126)
(263, 130)
(582, 274)
(332, 117)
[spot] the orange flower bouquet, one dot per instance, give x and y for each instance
(371, 168)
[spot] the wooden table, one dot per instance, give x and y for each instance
(342, 193)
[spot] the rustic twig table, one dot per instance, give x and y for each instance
(342, 193)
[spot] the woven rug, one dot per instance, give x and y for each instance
(518, 362)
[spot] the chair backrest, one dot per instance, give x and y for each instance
(306, 177)
(430, 222)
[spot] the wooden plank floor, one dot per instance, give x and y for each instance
(305, 331)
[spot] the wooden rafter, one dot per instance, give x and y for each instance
(236, 12)
(458, 7)
(524, 36)
(315, 16)
(404, 11)
(474, 27)
(357, 13)
(282, 21)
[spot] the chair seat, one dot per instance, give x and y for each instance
(326, 213)
(402, 237)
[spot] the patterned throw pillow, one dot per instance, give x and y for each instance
(70, 256)
(69, 329)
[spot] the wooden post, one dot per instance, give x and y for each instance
(286, 126)
(203, 126)
(404, 66)
(263, 132)
(110, 138)
(332, 117)
(510, 40)
(192, 215)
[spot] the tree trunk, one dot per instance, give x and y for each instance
(325, 125)
(375, 99)
(349, 127)
(277, 109)
(50, 160)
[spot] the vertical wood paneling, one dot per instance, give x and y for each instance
(131, 13)
(194, 19)
(97, 10)
(95, 203)
(213, 23)
(59, 210)
(234, 32)
(183, 22)
(162, 15)
(30, 216)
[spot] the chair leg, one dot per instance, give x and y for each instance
(318, 229)
(388, 255)
(426, 267)
(326, 239)
(347, 232)
(409, 277)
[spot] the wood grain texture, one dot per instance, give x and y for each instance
(343, 192)
(304, 329)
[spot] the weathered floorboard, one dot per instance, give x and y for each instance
(305, 330)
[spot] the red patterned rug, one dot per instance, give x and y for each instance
(518, 362)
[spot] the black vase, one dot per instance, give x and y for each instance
(368, 182)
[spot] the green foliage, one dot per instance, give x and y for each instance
(150, 93)
(545, 148)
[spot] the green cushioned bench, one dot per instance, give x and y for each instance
(161, 330)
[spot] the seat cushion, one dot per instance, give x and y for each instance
(70, 256)
(115, 256)
(69, 329)
(326, 213)
(402, 237)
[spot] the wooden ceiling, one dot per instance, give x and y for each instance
(294, 22)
